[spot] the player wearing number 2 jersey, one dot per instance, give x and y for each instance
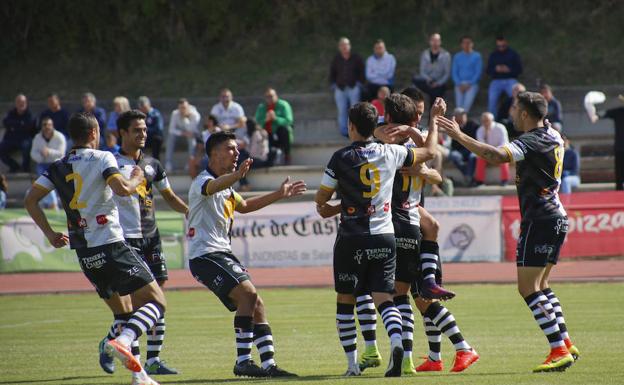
(86, 180)
(538, 154)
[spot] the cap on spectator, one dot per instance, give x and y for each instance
(459, 111)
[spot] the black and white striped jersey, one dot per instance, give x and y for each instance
(406, 195)
(136, 211)
(363, 173)
(81, 180)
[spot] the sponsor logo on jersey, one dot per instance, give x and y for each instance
(351, 210)
(386, 207)
(346, 277)
(370, 210)
(544, 249)
(191, 232)
(101, 219)
(237, 269)
(330, 172)
(406, 205)
(82, 223)
(149, 171)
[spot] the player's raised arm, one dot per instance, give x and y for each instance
(495, 155)
(31, 202)
(286, 190)
(174, 201)
(227, 180)
(430, 175)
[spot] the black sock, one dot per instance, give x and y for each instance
(243, 329)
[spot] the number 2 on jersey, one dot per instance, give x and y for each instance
(558, 161)
(75, 204)
(369, 175)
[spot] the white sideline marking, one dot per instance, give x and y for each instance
(29, 323)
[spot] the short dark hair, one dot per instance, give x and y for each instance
(53, 95)
(400, 108)
(379, 41)
(125, 119)
(363, 115)
(414, 94)
(182, 101)
(45, 119)
(534, 104)
(80, 125)
(213, 118)
(500, 38)
(216, 139)
(465, 37)
(545, 86)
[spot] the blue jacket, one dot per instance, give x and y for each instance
(571, 162)
(508, 57)
(467, 67)
(154, 122)
(60, 119)
(18, 127)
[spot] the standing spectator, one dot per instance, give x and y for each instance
(89, 104)
(229, 114)
(494, 134)
(380, 67)
(184, 122)
(435, 69)
(570, 177)
(555, 113)
(120, 105)
(276, 116)
(382, 94)
(346, 75)
(19, 127)
(617, 114)
(504, 67)
(467, 67)
(461, 157)
(155, 126)
(111, 143)
(48, 146)
(57, 113)
(4, 189)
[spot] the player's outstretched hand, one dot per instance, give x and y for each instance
(394, 134)
(243, 169)
(136, 172)
(438, 108)
(417, 170)
(58, 240)
(451, 127)
(292, 189)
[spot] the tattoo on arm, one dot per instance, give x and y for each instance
(492, 155)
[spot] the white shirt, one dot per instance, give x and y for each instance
(179, 124)
(496, 136)
(230, 115)
(210, 217)
(56, 147)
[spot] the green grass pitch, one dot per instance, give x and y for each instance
(52, 339)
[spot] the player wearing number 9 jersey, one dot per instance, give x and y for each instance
(538, 154)
(86, 180)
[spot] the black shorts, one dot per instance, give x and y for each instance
(540, 241)
(407, 251)
(114, 268)
(220, 272)
(150, 250)
(364, 264)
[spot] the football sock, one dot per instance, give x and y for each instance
(155, 338)
(347, 332)
(442, 318)
(140, 322)
(391, 318)
(263, 339)
(243, 328)
(545, 317)
(402, 303)
(135, 350)
(118, 324)
(367, 317)
(434, 339)
(429, 254)
(554, 301)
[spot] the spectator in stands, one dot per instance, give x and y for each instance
(495, 134)
(89, 104)
(380, 67)
(461, 157)
(48, 146)
(276, 116)
(120, 105)
(229, 114)
(504, 67)
(19, 127)
(58, 114)
(4, 189)
(184, 122)
(155, 126)
(258, 145)
(504, 112)
(435, 69)
(111, 142)
(378, 103)
(617, 114)
(570, 177)
(555, 113)
(466, 70)
(199, 161)
(346, 76)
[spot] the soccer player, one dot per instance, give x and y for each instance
(538, 153)
(212, 202)
(86, 180)
(364, 252)
(136, 214)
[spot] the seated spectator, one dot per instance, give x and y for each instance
(48, 146)
(276, 116)
(229, 114)
(4, 189)
(184, 122)
(555, 113)
(380, 67)
(466, 69)
(570, 177)
(110, 143)
(504, 67)
(89, 104)
(495, 134)
(382, 94)
(461, 157)
(253, 142)
(19, 127)
(346, 76)
(199, 161)
(155, 126)
(435, 69)
(58, 114)
(120, 105)
(504, 112)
